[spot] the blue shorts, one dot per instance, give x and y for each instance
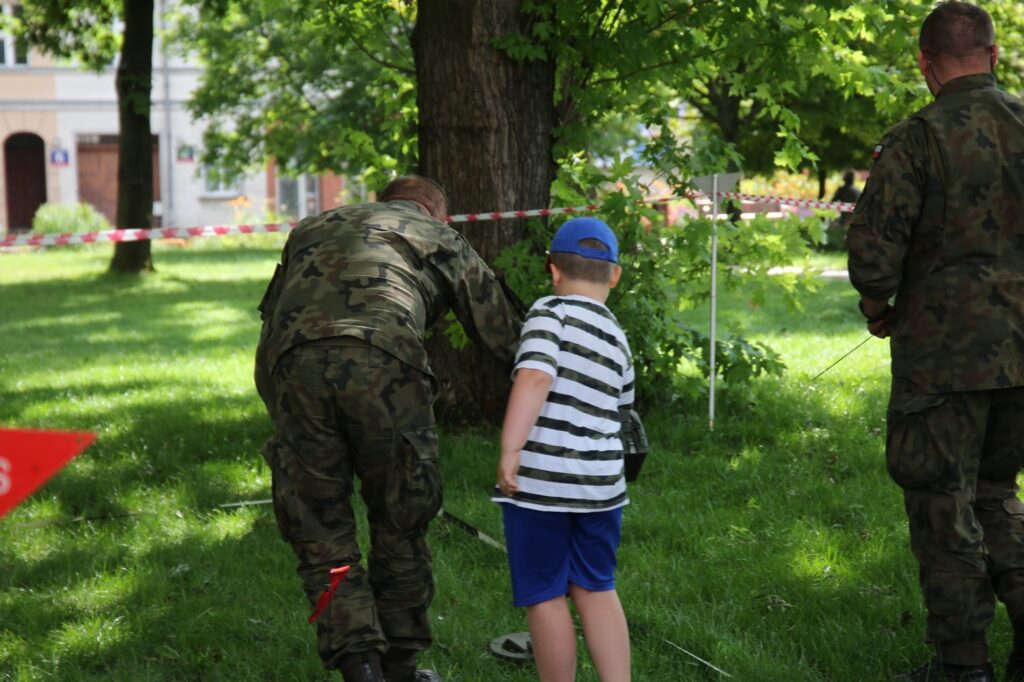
(549, 550)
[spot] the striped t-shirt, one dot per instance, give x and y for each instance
(572, 460)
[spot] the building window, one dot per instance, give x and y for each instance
(298, 197)
(217, 184)
(12, 52)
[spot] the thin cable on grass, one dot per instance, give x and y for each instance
(75, 519)
(444, 515)
(710, 665)
(848, 353)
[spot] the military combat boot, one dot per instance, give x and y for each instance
(1015, 667)
(1015, 664)
(413, 675)
(400, 666)
(937, 671)
(362, 667)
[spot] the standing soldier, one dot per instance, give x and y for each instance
(342, 370)
(940, 226)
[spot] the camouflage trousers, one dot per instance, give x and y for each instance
(956, 456)
(345, 409)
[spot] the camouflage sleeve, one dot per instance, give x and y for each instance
(887, 211)
(481, 303)
(264, 364)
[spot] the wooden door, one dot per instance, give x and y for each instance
(25, 178)
(97, 174)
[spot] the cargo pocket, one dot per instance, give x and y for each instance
(1014, 508)
(415, 489)
(917, 451)
(946, 594)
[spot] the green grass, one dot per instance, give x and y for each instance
(773, 547)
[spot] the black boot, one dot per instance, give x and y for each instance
(400, 666)
(417, 676)
(1015, 664)
(937, 671)
(361, 667)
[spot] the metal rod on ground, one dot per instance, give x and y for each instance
(710, 665)
(846, 355)
(472, 530)
(445, 515)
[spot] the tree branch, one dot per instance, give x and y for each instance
(386, 64)
(387, 36)
(631, 74)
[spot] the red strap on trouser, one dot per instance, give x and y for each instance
(337, 575)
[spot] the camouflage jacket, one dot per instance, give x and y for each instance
(940, 225)
(382, 272)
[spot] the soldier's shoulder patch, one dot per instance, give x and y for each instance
(877, 152)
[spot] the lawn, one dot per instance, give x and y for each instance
(773, 548)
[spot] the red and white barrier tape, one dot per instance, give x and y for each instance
(133, 235)
(139, 234)
(840, 206)
(533, 213)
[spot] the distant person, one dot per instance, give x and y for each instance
(342, 370)
(941, 228)
(849, 193)
(560, 476)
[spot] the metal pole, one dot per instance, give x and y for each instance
(167, 218)
(714, 300)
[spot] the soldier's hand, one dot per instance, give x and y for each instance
(877, 314)
(880, 328)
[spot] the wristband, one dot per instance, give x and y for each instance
(877, 318)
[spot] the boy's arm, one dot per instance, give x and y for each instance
(529, 391)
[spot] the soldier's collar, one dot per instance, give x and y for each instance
(969, 82)
(414, 205)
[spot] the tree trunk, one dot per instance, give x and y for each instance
(135, 151)
(822, 177)
(485, 125)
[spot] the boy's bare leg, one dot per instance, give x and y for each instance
(553, 637)
(606, 632)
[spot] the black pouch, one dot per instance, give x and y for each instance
(634, 443)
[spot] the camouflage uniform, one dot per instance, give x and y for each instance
(941, 226)
(342, 370)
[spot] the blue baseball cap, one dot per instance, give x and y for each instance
(568, 237)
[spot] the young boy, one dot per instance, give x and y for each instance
(560, 477)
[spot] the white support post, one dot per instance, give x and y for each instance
(714, 185)
(714, 300)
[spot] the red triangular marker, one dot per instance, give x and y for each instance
(28, 458)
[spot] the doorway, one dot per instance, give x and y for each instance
(25, 179)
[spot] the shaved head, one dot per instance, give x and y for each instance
(419, 189)
(957, 31)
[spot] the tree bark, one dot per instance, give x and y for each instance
(135, 160)
(485, 133)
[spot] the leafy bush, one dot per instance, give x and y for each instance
(54, 218)
(666, 270)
